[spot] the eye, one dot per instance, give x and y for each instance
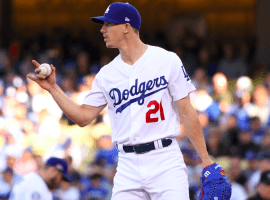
(108, 24)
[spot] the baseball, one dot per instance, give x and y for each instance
(45, 69)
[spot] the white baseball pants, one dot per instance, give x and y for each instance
(160, 174)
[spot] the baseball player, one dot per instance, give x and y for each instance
(38, 186)
(147, 91)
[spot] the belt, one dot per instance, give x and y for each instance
(144, 148)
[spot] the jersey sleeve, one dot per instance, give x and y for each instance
(96, 96)
(179, 82)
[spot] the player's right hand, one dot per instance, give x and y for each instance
(45, 82)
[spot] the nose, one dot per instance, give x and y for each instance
(102, 30)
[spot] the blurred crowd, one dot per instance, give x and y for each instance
(233, 108)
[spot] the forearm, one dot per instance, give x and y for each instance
(194, 132)
(71, 109)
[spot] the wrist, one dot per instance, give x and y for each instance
(52, 88)
(207, 162)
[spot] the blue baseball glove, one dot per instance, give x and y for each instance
(215, 185)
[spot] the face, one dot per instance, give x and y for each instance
(7, 176)
(261, 96)
(54, 178)
(220, 83)
(113, 34)
(10, 161)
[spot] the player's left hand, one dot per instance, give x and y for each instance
(215, 185)
(44, 82)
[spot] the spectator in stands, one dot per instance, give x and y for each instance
(266, 81)
(96, 191)
(231, 67)
(6, 183)
(67, 192)
(246, 146)
(104, 60)
(263, 188)
(260, 106)
(263, 158)
(241, 103)
(10, 161)
(204, 57)
(257, 131)
(204, 120)
(247, 172)
(83, 65)
(230, 133)
(75, 175)
(265, 146)
(26, 164)
(39, 162)
(210, 66)
(215, 145)
(220, 92)
(107, 153)
(238, 191)
(189, 63)
(200, 80)
(3, 57)
(25, 66)
(204, 103)
(10, 148)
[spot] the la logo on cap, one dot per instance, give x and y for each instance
(107, 10)
(59, 167)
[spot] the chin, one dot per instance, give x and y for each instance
(108, 45)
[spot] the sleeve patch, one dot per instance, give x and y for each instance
(35, 196)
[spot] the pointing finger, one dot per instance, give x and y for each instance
(52, 67)
(35, 63)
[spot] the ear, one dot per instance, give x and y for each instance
(127, 28)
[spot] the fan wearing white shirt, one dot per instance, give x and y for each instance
(67, 192)
(38, 186)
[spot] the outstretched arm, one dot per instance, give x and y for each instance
(80, 114)
(193, 129)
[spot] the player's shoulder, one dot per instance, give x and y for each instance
(107, 68)
(34, 180)
(162, 52)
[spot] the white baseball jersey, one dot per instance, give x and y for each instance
(141, 97)
(31, 187)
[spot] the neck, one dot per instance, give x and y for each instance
(132, 51)
(9, 181)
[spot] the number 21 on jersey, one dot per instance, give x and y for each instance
(157, 107)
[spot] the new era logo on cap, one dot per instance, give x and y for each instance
(107, 10)
(268, 175)
(127, 19)
(59, 167)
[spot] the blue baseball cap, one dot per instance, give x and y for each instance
(61, 165)
(120, 13)
(8, 170)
